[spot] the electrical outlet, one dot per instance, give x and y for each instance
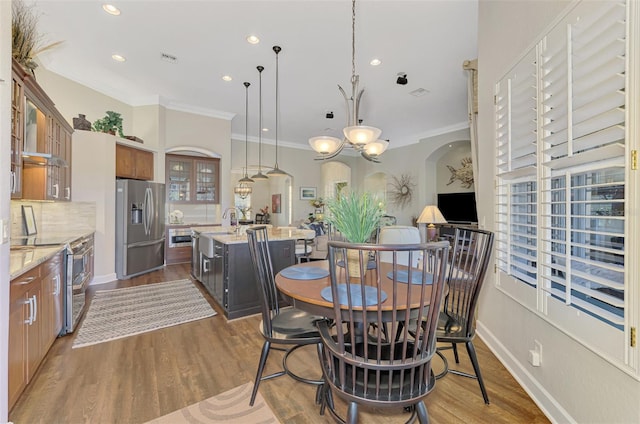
(535, 354)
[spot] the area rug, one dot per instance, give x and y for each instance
(228, 407)
(118, 313)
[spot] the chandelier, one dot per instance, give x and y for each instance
(364, 139)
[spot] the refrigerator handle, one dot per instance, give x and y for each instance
(152, 210)
(145, 212)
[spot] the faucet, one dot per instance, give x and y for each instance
(224, 214)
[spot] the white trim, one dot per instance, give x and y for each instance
(103, 279)
(201, 150)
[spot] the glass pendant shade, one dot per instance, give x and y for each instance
(360, 135)
(376, 148)
(325, 145)
(276, 171)
(243, 190)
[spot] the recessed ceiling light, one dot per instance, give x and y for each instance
(118, 58)
(226, 78)
(375, 62)
(111, 9)
(252, 39)
(265, 130)
(419, 92)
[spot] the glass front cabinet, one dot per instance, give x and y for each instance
(192, 179)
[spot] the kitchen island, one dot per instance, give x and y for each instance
(227, 271)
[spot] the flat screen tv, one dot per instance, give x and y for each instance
(458, 207)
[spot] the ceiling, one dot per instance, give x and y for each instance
(427, 40)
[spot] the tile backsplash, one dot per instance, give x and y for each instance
(195, 214)
(54, 217)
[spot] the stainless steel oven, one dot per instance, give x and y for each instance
(79, 274)
(179, 237)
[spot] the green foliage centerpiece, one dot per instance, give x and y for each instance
(356, 217)
(111, 123)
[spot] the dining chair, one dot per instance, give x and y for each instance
(470, 259)
(279, 326)
(361, 363)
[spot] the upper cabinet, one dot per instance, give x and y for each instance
(40, 143)
(133, 163)
(192, 179)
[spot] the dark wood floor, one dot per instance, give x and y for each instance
(139, 378)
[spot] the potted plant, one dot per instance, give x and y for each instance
(356, 217)
(111, 123)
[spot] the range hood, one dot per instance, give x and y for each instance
(44, 159)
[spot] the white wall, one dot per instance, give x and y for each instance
(573, 384)
(5, 195)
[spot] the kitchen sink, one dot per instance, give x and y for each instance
(207, 245)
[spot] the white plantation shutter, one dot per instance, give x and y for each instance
(516, 138)
(562, 183)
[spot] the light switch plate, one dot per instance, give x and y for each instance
(4, 229)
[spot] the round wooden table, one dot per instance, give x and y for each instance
(306, 294)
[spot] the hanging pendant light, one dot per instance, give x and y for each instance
(361, 138)
(277, 172)
(246, 178)
(260, 176)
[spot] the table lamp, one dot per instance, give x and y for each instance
(431, 215)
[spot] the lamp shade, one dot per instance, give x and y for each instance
(431, 215)
(376, 148)
(360, 135)
(324, 145)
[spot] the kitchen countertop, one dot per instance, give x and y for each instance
(24, 256)
(226, 235)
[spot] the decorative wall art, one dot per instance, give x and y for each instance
(275, 203)
(401, 190)
(307, 193)
(29, 220)
(463, 174)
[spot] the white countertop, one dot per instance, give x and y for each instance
(227, 235)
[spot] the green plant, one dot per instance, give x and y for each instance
(112, 122)
(355, 215)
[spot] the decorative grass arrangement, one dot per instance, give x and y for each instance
(355, 215)
(27, 43)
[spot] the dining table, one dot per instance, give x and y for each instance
(306, 293)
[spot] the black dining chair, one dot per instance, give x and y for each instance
(363, 364)
(470, 259)
(280, 326)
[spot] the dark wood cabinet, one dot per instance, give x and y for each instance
(191, 179)
(133, 163)
(229, 276)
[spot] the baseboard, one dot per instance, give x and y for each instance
(547, 403)
(102, 279)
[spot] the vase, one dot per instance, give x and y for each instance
(353, 263)
(81, 123)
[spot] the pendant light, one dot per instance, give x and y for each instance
(277, 172)
(260, 176)
(246, 178)
(243, 189)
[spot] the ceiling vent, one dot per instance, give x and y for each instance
(168, 58)
(419, 92)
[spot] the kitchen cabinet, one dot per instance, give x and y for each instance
(35, 320)
(133, 163)
(17, 133)
(192, 179)
(37, 127)
(229, 277)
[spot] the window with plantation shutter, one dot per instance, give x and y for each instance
(562, 143)
(516, 136)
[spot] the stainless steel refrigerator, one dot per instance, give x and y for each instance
(139, 227)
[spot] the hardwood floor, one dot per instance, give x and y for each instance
(139, 378)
